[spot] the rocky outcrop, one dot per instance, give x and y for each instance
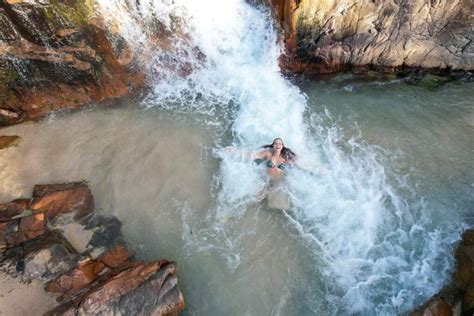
(329, 36)
(8, 141)
(55, 54)
(81, 257)
(457, 298)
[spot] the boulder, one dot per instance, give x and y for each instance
(56, 199)
(13, 208)
(82, 257)
(18, 231)
(144, 289)
(468, 299)
(89, 271)
(107, 234)
(437, 307)
(116, 257)
(49, 263)
(79, 278)
(464, 266)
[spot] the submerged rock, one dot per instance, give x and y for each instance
(8, 141)
(329, 36)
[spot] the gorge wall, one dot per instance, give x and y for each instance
(389, 35)
(58, 54)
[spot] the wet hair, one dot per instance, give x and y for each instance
(286, 152)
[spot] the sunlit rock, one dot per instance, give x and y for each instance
(328, 36)
(56, 199)
(56, 55)
(149, 289)
(82, 257)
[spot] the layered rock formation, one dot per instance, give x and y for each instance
(55, 54)
(81, 257)
(329, 36)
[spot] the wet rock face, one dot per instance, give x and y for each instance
(328, 36)
(82, 257)
(457, 297)
(54, 55)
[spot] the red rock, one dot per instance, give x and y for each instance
(93, 69)
(8, 141)
(18, 231)
(57, 199)
(13, 208)
(33, 226)
(437, 307)
(121, 283)
(115, 257)
(148, 289)
(468, 299)
(79, 278)
(464, 266)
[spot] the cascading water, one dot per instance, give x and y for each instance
(357, 239)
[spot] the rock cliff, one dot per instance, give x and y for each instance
(388, 35)
(57, 54)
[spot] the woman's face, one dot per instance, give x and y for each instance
(278, 144)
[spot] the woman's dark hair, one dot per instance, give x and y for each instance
(286, 152)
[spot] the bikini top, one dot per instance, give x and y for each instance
(270, 164)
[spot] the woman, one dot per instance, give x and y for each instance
(276, 157)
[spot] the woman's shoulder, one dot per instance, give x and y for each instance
(264, 154)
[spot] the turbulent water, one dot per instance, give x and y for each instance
(382, 192)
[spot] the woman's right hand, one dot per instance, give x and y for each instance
(230, 150)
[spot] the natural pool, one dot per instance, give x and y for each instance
(379, 222)
(385, 188)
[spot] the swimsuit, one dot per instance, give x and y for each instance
(270, 164)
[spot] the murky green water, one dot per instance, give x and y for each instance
(158, 172)
(428, 133)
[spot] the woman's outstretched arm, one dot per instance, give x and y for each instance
(248, 154)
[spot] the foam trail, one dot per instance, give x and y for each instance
(381, 249)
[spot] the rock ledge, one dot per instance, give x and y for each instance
(81, 257)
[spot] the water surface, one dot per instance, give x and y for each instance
(383, 189)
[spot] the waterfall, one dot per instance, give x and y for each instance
(377, 251)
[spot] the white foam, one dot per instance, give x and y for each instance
(381, 250)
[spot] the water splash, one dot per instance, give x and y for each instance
(382, 253)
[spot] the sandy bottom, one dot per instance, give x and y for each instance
(20, 298)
